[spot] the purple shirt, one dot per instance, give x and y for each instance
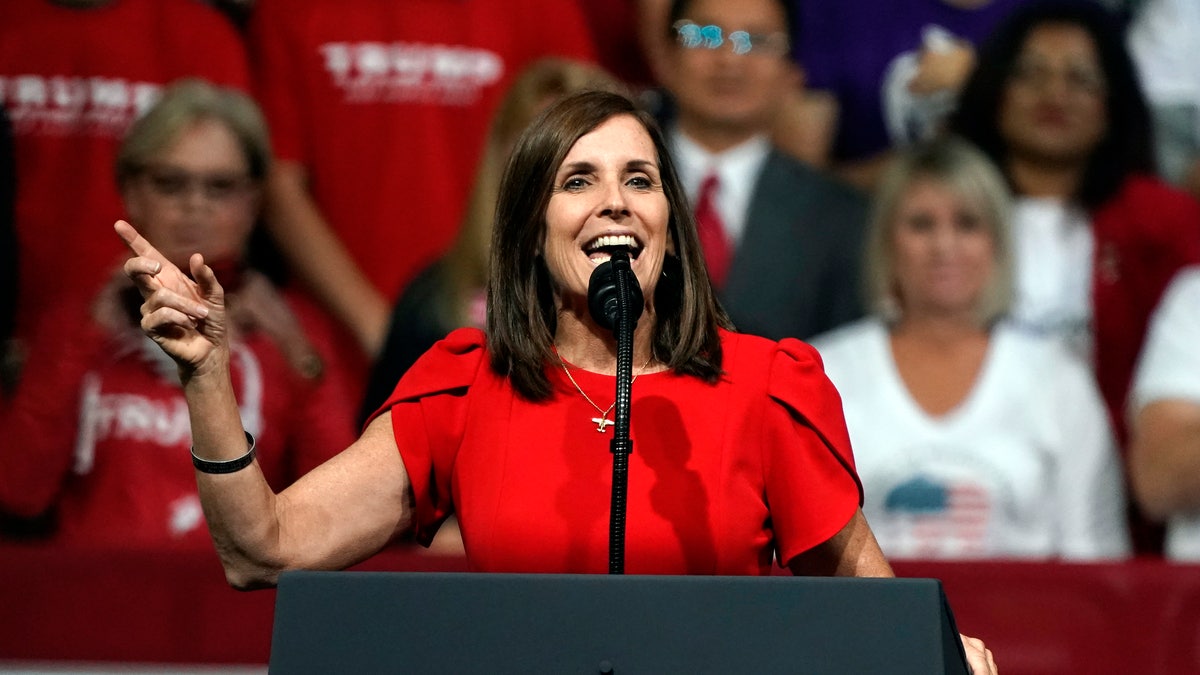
(860, 50)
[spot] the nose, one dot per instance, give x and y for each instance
(724, 53)
(1055, 85)
(194, 196)
(1056, 88)
(944, 238)
(613, 204)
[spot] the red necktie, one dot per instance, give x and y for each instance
(718, 250)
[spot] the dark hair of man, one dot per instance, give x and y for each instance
(1127, 144)
(679, 8)
(521, 316)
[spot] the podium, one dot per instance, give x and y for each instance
(397, 622)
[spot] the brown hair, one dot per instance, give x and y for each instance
(539, 84)
(521, 318)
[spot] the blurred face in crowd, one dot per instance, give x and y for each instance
(1053, 108)
(944, 251)
(729, 67)
(195, 196)
(607, 193)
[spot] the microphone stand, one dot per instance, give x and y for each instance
(615, 301)
(621, 445)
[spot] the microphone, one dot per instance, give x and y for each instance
(604, 300)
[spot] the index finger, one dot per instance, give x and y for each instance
(137, 243)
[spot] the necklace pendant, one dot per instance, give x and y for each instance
(602, 423)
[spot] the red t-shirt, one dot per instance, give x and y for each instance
(105, 429)
(387, 105)
(72, 81)
(722, 477)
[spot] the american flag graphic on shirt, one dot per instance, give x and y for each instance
(937, 518)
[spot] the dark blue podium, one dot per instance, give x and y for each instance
(393, 622)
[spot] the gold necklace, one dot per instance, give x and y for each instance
(602, 422)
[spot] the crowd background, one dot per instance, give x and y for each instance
(386, 124)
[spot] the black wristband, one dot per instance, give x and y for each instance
(230, 466)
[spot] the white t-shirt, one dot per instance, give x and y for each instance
(1169, 368)
(1052, 253)
(1025, 467)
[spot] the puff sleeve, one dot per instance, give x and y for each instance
(812, 487)
(429, 412)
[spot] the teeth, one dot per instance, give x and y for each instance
(613, 240)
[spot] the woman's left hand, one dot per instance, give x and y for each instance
(979, 657)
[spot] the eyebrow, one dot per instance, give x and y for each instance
(641, 165)
(588, 167)
(578, 167)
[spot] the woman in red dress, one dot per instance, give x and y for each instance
(740, 455)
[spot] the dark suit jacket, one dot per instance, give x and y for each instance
(796, 271)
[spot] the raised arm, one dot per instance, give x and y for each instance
(338, 514)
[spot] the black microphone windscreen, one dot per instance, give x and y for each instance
(603, 297)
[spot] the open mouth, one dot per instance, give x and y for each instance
(602, 248)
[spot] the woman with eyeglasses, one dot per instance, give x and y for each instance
(98, 422)
(1055, 102)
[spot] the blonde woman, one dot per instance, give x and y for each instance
(972, 439)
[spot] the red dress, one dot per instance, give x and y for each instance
(722, 477)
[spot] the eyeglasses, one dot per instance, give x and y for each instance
(1078, 79)
(694, 36)
(175, 183)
